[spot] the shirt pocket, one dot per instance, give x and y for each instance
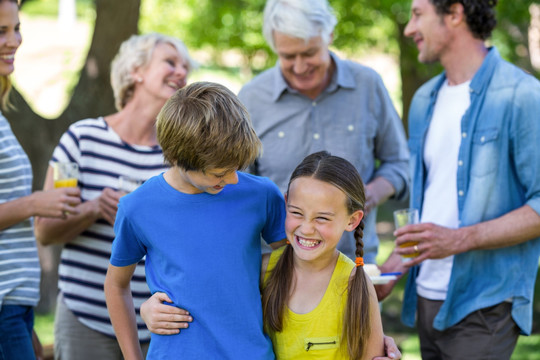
(485, 152)
(321, 343)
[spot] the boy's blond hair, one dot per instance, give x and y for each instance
(204, 125)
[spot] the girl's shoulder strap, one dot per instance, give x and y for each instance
(274, 257)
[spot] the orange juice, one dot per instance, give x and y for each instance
(72, 182)
(407, 244)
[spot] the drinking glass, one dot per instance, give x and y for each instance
(128, 184)
(404, 217)
(65, 174)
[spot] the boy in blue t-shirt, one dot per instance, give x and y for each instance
(201, 238)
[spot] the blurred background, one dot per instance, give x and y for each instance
(62, 75)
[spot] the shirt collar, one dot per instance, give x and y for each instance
(342, 77)
(485, 72)
(480, 80)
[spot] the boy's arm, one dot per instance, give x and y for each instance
(121, 309)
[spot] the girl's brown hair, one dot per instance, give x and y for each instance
(356, 329)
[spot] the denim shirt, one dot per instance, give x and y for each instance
(498, 171)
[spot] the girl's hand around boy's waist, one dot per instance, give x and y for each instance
(390, 349)
(164, 319)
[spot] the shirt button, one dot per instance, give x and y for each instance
(460, 163)
(350, 127)
(316, 136)
(281, 134)
(483, 139)
(460, 192)
(314, 103)
(464, 134)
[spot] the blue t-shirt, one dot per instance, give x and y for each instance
(203, 250)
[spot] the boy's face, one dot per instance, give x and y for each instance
(212, 181)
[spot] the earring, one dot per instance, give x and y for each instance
(139, 80)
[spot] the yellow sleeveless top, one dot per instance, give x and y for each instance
(317, 334)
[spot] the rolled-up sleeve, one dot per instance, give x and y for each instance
(525, 140)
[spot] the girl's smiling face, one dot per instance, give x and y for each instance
(317, 216)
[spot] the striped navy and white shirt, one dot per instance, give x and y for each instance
(102, 157)
(19, 262)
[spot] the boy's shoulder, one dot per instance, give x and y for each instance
(147, 191)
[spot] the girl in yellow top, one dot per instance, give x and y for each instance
(316, 302)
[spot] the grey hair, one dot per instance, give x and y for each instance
(135, 53)
(303, 19)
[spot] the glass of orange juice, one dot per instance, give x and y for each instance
(404, 217)
(65, 174)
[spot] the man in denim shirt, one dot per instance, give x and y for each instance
(475, 167)
(312, 100)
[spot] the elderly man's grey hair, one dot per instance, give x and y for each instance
(303, 19)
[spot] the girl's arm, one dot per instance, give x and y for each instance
(164, 319)
(59, 231)
(121, 309)
(375, 343)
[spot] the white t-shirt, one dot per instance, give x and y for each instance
(440, 207)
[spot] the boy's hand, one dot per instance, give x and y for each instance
(164, 319)
(390, 350)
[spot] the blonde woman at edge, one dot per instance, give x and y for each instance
(19, 262)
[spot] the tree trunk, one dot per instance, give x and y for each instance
(93, 96)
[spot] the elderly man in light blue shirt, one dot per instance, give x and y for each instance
(312, 100)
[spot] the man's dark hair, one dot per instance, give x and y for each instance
(480, 14)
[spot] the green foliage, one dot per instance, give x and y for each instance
(363, 26)
(237, 24)
(212, 25)
(511, 34)
(369, 25)
(44, 327)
